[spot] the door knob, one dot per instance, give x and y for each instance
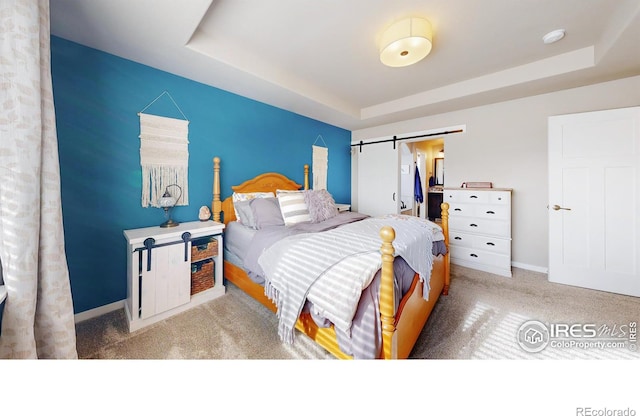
(557, 207)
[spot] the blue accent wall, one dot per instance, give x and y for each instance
(97, 100)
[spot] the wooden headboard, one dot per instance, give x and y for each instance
(266, 182)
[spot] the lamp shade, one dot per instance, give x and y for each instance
(167, 201)
(406, 42)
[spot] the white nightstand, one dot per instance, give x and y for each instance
(343, 207)
(161, 271)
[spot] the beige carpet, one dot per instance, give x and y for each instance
(479, 319)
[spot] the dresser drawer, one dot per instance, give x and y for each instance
(494, 245)
(460, 239)
(502, 261)
(457, 209)
(492, 211)
(463, 196)
(480, 226)
(500, 197)
(479, 242)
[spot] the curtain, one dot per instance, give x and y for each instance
(37, 320)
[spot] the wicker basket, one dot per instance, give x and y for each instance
(202, 276)
(204, 248)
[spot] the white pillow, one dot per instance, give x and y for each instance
(247, 196)
(293, 207)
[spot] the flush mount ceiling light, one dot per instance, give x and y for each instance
(405, 42)
(553, 36)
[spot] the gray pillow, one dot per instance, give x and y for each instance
(266, 212)
(245, 214)
(321, 205)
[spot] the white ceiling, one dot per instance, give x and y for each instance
(320, 58)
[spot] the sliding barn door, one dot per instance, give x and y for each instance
(378, 179)
(594, 200)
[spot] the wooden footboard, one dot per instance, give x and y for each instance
(400, 330)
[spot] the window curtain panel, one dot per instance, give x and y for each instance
(37, 320)
(164, 157)
(320, 158)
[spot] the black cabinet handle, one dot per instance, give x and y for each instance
(473, 255)
(473, 225)
(457, 238)
(457, 209)
(473, 197)
(490, 212)
(490, 244)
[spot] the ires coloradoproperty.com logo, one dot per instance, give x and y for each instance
(535, 336)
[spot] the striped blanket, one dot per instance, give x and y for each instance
(332, 268)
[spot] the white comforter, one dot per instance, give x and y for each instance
(332, 268)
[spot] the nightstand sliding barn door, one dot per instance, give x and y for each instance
(167, 283)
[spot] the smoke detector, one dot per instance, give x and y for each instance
(553, 36)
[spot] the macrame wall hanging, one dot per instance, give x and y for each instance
(164, 155)
(320, 162)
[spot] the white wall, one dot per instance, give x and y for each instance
(506, 143)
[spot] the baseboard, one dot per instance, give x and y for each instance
(531, 267)
(101, 310)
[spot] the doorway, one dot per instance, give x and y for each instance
(377, 170)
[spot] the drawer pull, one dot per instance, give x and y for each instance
(457, 209)
(490, 212)
(473, 255)
(490, 244)
(473, 225)
(473, 197)
(457, 238)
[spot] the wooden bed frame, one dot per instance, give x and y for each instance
(399, 330)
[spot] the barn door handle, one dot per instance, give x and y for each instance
(148, 243)
(186, 237)
(558, 207)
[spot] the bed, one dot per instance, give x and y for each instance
(401, 308)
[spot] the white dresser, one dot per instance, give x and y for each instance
(480, 228)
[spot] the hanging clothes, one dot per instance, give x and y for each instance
(417, 188)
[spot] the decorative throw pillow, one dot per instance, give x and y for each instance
(321, 205)
(266, 212)
(247, 196)
(293, 207)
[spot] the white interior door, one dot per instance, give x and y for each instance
(378, 179)
(594, 204)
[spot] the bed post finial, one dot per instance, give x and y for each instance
(306, 177)
(387, 303)
(216, 205)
